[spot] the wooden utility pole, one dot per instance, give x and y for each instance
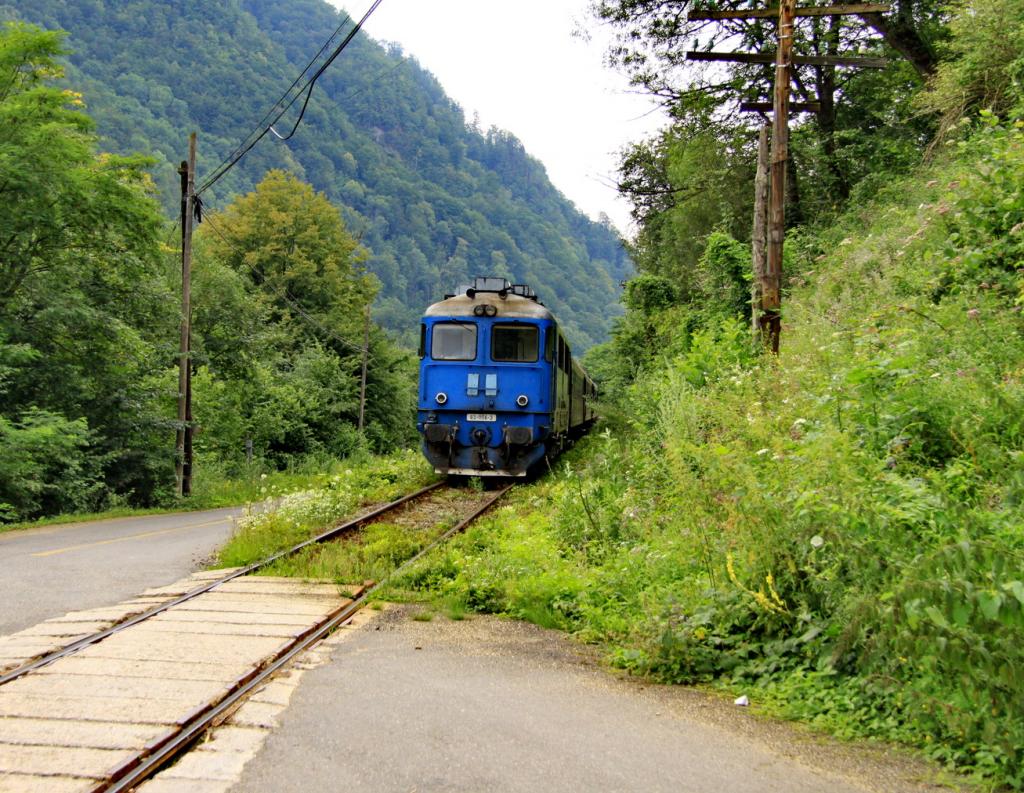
(759, 236)
(767, 289)
(366, 356)
(183, 447)
(771, 284)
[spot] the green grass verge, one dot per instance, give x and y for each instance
(302, 514)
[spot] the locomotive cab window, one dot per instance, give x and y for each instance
(423, 340)
(453, 341)
(515, 343)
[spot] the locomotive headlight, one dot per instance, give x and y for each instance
(441, 397)
(522, 400)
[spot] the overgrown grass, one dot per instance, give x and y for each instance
(371, 556)
(300, 515)
(840, 533)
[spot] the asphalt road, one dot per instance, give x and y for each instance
(49, 571)
(494, 705)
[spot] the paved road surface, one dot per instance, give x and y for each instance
(49, 571)
(493, 705)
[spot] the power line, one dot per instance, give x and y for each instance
(307, 89)
(285, 295)
(351, 35)
(261, 125)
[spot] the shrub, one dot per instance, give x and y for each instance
(45, 466)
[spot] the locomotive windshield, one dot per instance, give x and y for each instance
(514, 343)
(453, 341)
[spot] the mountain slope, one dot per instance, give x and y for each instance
(433, 200)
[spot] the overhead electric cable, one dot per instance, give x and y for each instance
(261, 125)
(327, 63)
(307, 89)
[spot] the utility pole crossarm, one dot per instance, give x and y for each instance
(773, 13)
(768, 107)
(799, 60)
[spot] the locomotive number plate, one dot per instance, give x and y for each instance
(481, 417)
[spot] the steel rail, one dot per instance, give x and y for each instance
(161, 751)
(99, 636)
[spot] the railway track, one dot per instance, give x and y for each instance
(304, 620)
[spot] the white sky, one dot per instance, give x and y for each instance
(518, 64)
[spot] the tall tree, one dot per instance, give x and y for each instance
(58, 200)
(280, 305)
(292, 243)
(83, 307)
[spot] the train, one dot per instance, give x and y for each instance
(499, 388)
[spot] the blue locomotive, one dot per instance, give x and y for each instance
(499, 387)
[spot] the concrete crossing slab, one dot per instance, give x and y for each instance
(222, 601)
(233, 617)
(23, 783)
(88, 734)
(81, 716)
(157, 625)
(161, 670)
(72, 685)
(64, 629)
(130, 711)
(152, 646)
(57, 760)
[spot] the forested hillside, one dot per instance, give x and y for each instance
(431, 198)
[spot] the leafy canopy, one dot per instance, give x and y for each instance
(83, 305)
(57, 199)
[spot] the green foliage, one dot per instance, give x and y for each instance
(44, 465)
(89, 326)
(292, 242)
(281, 303)
(697, 176)
(984, 65)
(83, 305)
(649, 294)
(57, 195)
(724, 272)
(986, 226)
(690, 181)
